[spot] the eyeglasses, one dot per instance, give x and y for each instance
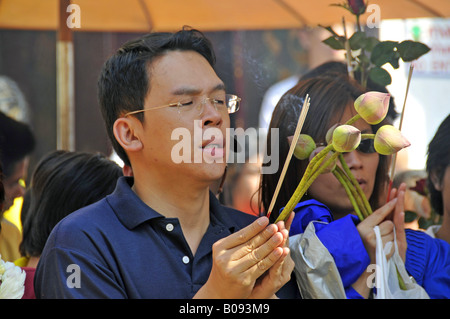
(366, 146)
(196, 105)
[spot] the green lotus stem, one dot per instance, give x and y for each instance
(400, 280)
(317, 160)
(353, 119)
(311, 169)
(356, 184)
(367, 135)
(303, 186)
(365, 206)
(337, 172)
(348, 183)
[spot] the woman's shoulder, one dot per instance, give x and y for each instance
(308, 211)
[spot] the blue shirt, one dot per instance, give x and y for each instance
(340, 237)
(121, 248)
(427, 259)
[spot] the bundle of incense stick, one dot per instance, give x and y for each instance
(298, 130)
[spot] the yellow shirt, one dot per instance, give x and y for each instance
(10, 239)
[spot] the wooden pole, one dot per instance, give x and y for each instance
(65, 135)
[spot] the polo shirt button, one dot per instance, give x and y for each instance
(186, 259)
(169, 227)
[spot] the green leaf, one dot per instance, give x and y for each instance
(362, 58)
(380, 76)
(385, 52)
(394, 60)
(335, 43)
(370, 43)
(411, 50)
(357, 40)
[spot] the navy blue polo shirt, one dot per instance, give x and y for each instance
(119, 247)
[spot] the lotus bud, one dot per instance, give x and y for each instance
(372, 106)
(330, 167)
(305, 145)
(346, 138)
(329, 135)
(389, 140)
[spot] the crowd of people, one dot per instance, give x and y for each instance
(155, 227)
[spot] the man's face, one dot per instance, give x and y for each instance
(176, 138)
(12, 183)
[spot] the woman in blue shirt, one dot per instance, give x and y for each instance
(350, 242)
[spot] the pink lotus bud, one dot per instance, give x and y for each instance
(357, 6)
(346, 138)
(305, 145)
(330, 167)
(372, 106)
(389, 140)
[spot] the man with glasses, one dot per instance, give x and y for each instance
(162, 233)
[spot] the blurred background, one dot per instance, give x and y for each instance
(258, 44)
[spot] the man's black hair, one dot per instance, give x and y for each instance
(125, 78)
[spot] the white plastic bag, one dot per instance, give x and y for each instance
(388, 272)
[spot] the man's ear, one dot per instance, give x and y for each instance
(126, 132)
(435, 180)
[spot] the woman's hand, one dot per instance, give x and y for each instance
(399, 221)
(386, 217)
(386, 226)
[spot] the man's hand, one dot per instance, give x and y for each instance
(280, 273)
(241, 258)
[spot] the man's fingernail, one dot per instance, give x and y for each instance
(262, 220)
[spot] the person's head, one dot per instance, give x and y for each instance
(331, 103)
(16, 144)
(333, 68)
(12, 100)
(154, 71)
(62, 183)
(438, 168)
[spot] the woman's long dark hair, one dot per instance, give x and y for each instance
(330, 96)
(62, 183)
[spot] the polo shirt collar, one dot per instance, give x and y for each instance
(132, 211)
(219, 215)
(129, 208)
